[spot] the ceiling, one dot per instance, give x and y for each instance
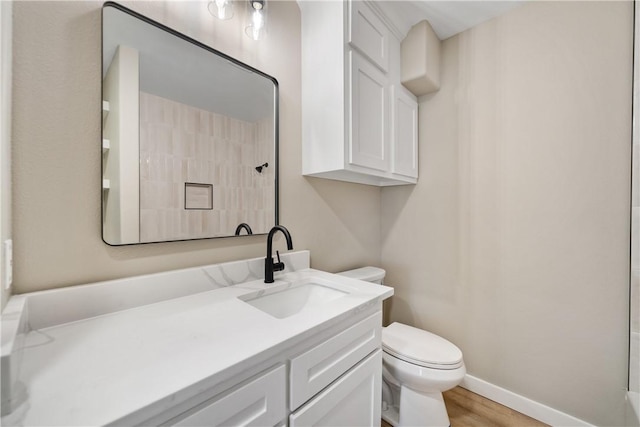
(447, 18)
(176, 69)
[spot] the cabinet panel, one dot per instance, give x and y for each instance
(261, 402)
(315, 369)
(369, 115)
(369, 34)
(405, 133)
(353, 400)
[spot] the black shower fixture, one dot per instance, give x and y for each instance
(259, 168)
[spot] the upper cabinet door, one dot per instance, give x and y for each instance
(369, 34)
(404, 133)
(369, 115)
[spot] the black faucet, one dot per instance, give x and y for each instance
(269, 265)
(245, 226)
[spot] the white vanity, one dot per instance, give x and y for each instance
(203, 346)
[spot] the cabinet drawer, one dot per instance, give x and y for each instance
(317, 368)
(369, 34)
(353, 400)
(260, 402)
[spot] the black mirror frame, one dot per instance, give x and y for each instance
(222, 55)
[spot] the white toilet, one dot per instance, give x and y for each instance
(417, 366)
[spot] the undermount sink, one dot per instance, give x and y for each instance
(292, 300)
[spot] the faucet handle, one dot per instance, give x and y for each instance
(278, 266)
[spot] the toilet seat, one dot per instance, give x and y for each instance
(420, 347)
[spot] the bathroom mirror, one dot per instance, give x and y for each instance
(189, 137)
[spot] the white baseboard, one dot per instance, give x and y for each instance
(521, 404)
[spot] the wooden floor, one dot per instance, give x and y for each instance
(467, 409)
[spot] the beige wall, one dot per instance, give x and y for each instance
(515, 242)
(57, 152)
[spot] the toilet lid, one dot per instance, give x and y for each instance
(420, 347)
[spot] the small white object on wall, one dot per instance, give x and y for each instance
(420, 52)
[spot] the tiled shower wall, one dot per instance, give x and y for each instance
(182, 144)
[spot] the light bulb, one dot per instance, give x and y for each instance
(257, 25)
(221, 9)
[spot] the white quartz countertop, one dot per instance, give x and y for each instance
(108, 369)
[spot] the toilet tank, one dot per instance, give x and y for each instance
(368, 274)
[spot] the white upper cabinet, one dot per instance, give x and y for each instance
(359, 124)
(369, 34)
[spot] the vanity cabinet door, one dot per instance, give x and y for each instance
(369, 115)
(353, 400)
(404, 133)
(260, 402)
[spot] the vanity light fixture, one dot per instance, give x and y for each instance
(221, 9)
(259, 168)
(257, 17)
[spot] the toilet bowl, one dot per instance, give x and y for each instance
(417, 366)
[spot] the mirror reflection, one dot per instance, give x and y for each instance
(189, 137)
